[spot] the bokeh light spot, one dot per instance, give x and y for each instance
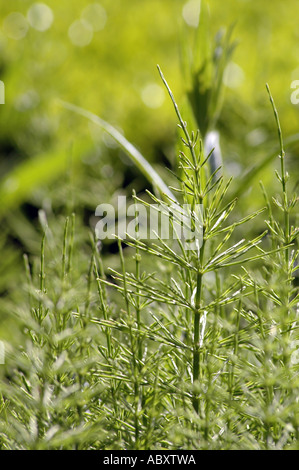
(40, 16)
(80, 33)
(95, 15)
(191, 11)
(15, 25)
(153, 95)
(233, 75)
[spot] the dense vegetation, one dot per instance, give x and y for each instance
(146, 344)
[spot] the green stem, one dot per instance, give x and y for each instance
(137, 299)
(283, 178)
(42, 277)
(134, 348)
(196, 341)
(64, 251)
(100, 275)
(183, 124)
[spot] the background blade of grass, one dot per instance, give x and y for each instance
(137, 158)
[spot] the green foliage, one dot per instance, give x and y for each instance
(35, 75)
(139, 344)
(197, 355)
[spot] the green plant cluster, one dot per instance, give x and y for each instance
(195, 356)
(139, 344)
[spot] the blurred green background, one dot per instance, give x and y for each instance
(103, 56)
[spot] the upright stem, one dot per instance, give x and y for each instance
(137, 300)
(283, 179)
(42, 277)
(64, 251)
(190, 143)
(135, 352)
(196, 341)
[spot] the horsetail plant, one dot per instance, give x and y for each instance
(185, 347)
(192, 342)
(187, 288)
